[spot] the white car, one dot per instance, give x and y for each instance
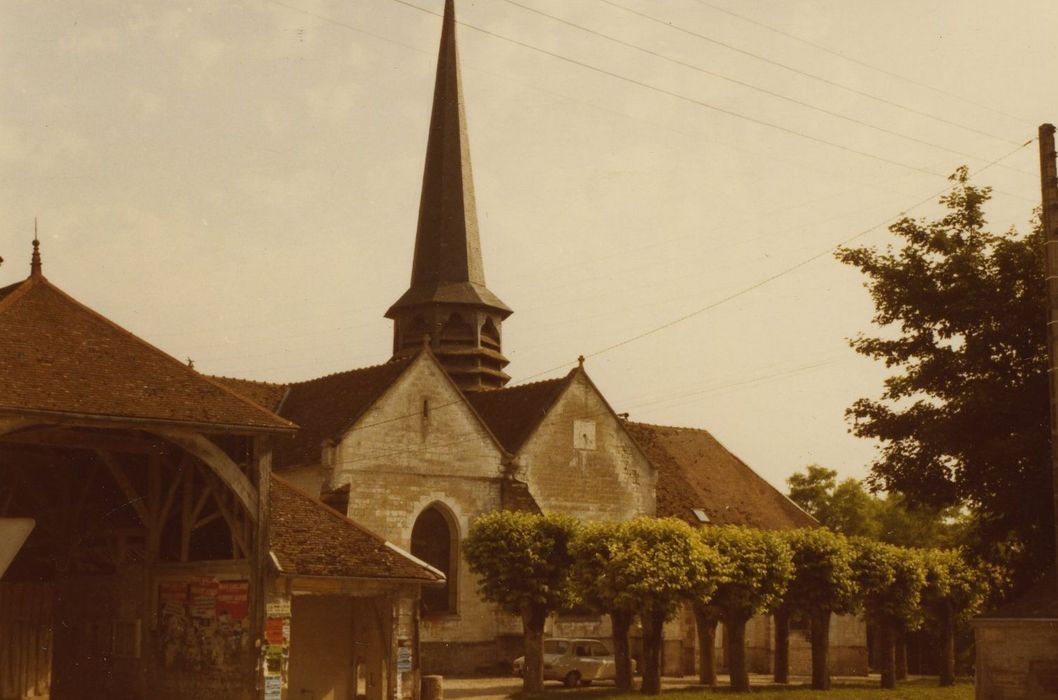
(574, 662)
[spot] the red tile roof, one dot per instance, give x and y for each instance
(59, 356)
(696, 471)
(309, 538)
(327, 407)
(512, 414)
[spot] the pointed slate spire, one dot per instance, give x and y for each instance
(447, 298)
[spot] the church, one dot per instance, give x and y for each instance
(418, 446)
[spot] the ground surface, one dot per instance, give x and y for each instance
(686, 689)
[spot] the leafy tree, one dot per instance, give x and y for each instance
(604, 582)
(666, 564)
(964, 418)
(523, 564)
(759, 568)
(822, 584)
(889, 583)
(954, 592)
(848, 508)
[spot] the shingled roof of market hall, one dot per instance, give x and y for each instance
(57, 356)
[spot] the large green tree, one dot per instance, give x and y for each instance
(666, 564)
(889, 583)
(605, 582)
(964, 417)
(955, 590)
(523, 565)
(822, 584)
(847, 507)
(759, 568)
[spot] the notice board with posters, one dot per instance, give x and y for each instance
(203, 623)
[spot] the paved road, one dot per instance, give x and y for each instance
(500, 688)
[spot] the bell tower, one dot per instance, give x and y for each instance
(447, 303)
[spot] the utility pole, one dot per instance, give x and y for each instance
(1049, 187)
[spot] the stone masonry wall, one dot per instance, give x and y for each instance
(580, 461)
(405, 461)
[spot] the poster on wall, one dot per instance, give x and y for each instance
(203, 623)
(277, 641)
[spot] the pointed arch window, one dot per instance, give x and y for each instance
(435, 540)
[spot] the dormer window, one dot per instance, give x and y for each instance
(701, 515)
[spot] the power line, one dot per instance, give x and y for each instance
(755, 88)
(806, 74)
(777, 275)
(859, 62)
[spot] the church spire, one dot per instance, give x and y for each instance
(447, 298)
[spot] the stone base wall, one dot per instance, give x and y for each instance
(471, 658)
(1017, 659)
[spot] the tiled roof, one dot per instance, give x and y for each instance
(309, 538)
(264, 394)
(696, 472)
(512, 414)
(59, 356)
(327, 407)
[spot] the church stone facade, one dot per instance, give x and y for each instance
(417, 447)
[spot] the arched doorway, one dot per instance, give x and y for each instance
(435, 540)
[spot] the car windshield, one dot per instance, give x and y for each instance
(555, 646)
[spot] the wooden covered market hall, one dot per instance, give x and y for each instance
(165, 559)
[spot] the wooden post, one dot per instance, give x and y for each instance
(1049, 216)
(259, 551)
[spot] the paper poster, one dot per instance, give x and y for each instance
(273, 688)
(203, 623)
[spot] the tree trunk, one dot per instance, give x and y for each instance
(887, 657)
(735, 627)
(533, 619)
(653, 626)
(621, 622)
(820, 630)
(947, 645)
(706, 626)
(782, 646)
(900, 637)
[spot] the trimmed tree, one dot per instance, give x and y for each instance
(822, 584)
(523, 564)
(664, 563)
(954, 592)
(602, 582)
(760, 566)
(889, 581)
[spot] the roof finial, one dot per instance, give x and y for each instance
(580, 361)
(35, 265)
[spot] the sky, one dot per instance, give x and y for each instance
(660, 183)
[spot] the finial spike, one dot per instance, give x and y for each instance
(35, 267)
(580, 361)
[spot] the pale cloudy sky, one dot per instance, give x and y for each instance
(237, 181)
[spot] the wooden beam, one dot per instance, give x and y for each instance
(9, 425)
(174, 487)
(72, 438)
(215, 458)
(229, 518)
(135, 499)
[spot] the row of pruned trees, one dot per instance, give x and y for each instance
(535, 565)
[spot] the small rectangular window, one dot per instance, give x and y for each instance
(584, 434)
(702, 516)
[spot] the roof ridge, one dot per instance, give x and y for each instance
(35, 281)
(528, 384)
(391, 361)
(251, 381)
(674, 427)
